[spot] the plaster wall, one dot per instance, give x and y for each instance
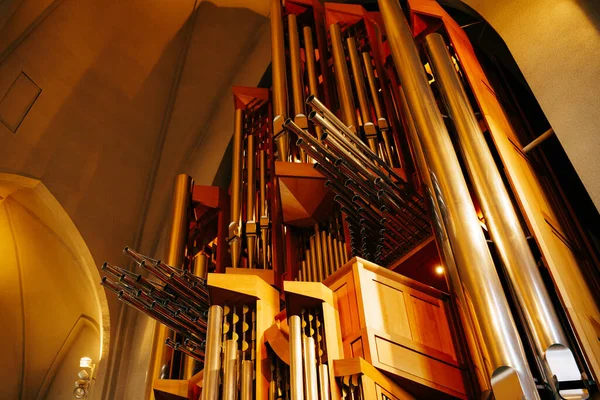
(556, 45)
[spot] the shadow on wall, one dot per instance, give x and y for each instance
(592, 11)
(53, 310)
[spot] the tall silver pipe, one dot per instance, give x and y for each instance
(279, 81)
(296, 384)
(247, 377)
(251, 225)
(231, 368)
(310, 372)
(445, 250)
(212, 359)
(501, 219)
(511, 377)
(235, 226)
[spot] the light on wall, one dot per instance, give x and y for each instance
(82, 385)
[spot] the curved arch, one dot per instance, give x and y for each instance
(32, 199)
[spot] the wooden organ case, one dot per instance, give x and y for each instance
(313, 277)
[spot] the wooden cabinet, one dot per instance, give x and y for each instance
(400, 326)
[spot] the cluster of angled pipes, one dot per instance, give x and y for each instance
(178, 300)
(385, 217)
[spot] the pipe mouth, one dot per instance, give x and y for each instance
(311, 114)
(348, 182)
(104, 279)
(355, 198)
(323, 136)
(126, 250)
(327, 184)
(287, 122)
(378, 180)
(299, 141)
(337, 162)
(310, 98)
(104, 266)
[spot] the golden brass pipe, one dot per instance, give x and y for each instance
(343, 253)
(301, 271)
(320, 259)
(247, 378)
(361, 92)
(311, 69)
(310, 365)
(316, 257)
(296, 73)
(212, 359)
(251, 225)
(336, 254)
(511, 376)
(264, 217)
(178, 231)
(309, 266)
(174, 256)
(332, 263)
(342, 78)
(279, 81)
(373, 89)
(230, 375)
(296, 386)
(502, 220)
(200, 265)
(325, 250)
(235, 244)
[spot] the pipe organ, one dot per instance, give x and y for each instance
(369, 147)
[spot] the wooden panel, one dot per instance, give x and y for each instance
(383, 394)
(357, 348)
(345, 301)
(398, 358)
(394, 316)
(431, 327)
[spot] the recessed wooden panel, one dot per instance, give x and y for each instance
(342, 299)
(357, 348)
(431, 327)
(392, 309)
(17, 102)
(402, 359)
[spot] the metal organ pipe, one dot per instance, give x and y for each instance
(296, 382)
(279, 81)
(501, 219)
(340, 69)
(511, 377)
(212, 360)
(235, 241)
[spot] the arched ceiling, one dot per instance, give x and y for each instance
(46, 299)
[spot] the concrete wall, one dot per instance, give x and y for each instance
(556, 44)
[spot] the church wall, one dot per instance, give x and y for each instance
(556, 46)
